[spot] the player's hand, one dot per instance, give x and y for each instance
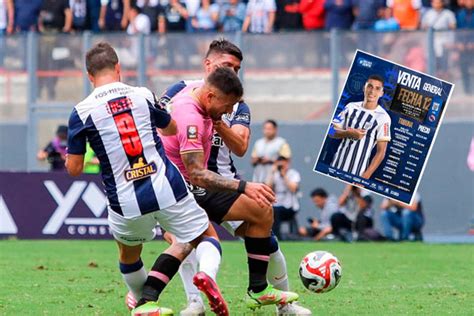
(356, 133)
(260, 193)
(218, 124)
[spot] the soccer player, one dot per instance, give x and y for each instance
(143, 187)
(231, 135)
(362, 126)
(195, 109)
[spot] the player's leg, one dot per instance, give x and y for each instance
(258, 245)
(187, 271)
(189, 223)
(130, 234)
(277, 273)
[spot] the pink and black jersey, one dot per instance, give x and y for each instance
(195, 130)
(220, 159)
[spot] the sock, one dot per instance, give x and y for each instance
(134, 276)
(208, 254)
(163, 270)
(258, 255)
(187, 270)
(277, 273)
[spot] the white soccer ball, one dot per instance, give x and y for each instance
(320, 271)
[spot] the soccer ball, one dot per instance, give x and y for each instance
(320, 271)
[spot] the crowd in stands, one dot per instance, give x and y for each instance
(253, 16)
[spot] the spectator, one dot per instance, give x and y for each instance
(266, 150)
(55, 16)
(321, 228)
(313, 14)
(387, 22)
(232, 15)
(260, 16)
(173, 17)
(285, 183)
(93, 15)
(79, 14)
(338, 14)
(27, 14)
(150, 8)
(55, 151)
(206, 17)
(438, 17)
(366, 13)
(114, 15)
(407, 219)
(465, 45)
(7, 13)
(139, 23)
(364, 223)
(406, 12)
(465, 15)
(288, 15)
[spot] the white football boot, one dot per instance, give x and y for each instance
(195, 307)
(292, 309)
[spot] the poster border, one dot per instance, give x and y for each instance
(431, 145)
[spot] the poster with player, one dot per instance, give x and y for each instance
(384, 127)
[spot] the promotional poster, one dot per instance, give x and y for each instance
(384, 127)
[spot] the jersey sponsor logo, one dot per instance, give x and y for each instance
(140, 170)
(192, 132)
(217, 141)
(244, 118)
(386, 130)
(118, 105)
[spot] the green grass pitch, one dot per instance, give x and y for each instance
(82, 278)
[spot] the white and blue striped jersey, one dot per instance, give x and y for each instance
(120, 123)
(220, 159)
(353, 155)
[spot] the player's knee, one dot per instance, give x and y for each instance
(264, 216)
(179, 250)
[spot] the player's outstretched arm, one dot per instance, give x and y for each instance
(200, 176)
(378, 158)
(74, 164)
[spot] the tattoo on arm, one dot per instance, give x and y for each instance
(193, 161)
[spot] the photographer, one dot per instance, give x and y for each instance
(55, 151)
(285, 182)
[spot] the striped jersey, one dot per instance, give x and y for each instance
(353, 155)
(220, 159)
(120, 122)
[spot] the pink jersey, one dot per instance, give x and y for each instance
(195, 130)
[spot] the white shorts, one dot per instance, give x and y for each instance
(186, 220)
(231, 226)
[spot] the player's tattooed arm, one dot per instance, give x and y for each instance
(200, 176)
